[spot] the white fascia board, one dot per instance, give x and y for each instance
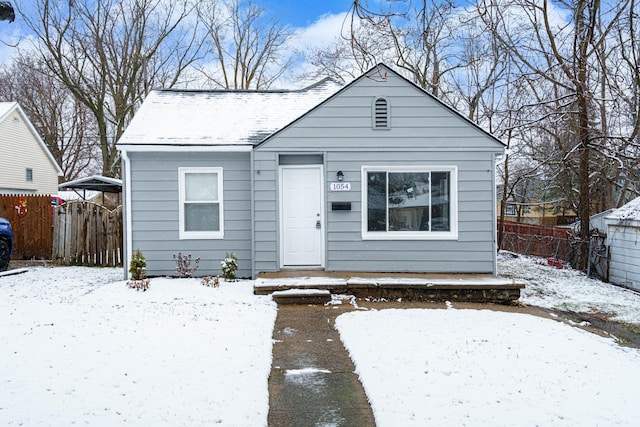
(182, 148)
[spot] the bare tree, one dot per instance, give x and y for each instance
(6, 11)
(359, 48)
(65, 125)
(110, 53)
(246, 46)
(623, 83)
(420, 34)
(564, 54)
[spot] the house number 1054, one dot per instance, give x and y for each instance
(340, 186)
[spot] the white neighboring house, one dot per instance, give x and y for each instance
(26, 164)
(623, 239)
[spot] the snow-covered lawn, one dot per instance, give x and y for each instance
(568, 289)
(485, 368)
(78, 347)
(488, 368)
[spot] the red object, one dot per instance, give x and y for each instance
(21, 206)
(553, 262)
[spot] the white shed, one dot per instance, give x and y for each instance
(623, 239)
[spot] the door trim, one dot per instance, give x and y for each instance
(281, 233)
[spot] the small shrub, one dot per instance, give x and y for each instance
(183, 265)
(139, 284)
(211, 281)
(138, 266)
(229, 266)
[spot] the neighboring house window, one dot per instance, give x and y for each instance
(512, 209)
(29, 175)
(201, 209)
(409, 203)
(381, 113)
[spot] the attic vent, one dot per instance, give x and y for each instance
(381, 114)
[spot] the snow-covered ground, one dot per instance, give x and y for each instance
(568, 289)
(486, 368)
(460, 367)
(79, 347)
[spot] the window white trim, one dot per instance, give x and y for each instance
(184, 234)
(452, 234)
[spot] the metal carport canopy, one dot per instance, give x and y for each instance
(96, 183)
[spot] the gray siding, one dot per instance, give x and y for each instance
(422, 132)
(155, 204)
(265, 211)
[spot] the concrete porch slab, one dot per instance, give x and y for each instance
(413, 286)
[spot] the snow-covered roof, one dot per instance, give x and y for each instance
(6, 107)
(630, 211)
(220, 117)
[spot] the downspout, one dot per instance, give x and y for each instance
(496, 158)
(253, 216)
(127, 212)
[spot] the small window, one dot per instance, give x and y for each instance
(201, 210)
(29, 175)
(381, 114)
(510, 209)
(409, 203)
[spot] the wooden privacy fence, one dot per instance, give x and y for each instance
(31, 219)
(536, 230)
(86, 233)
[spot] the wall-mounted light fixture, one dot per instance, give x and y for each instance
(340, 176)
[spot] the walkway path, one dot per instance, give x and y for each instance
(312, 381)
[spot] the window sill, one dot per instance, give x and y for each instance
(195, 235)
(400, 235)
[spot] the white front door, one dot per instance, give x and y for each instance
(301, 216)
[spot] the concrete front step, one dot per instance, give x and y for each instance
(302, 296)
(475, 288)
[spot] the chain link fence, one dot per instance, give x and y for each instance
(562, 252)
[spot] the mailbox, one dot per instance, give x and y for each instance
(340, 206)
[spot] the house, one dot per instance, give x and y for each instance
(26, 165)
(623, 240)
(374, 176)
(537, 213)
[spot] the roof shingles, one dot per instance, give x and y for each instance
(222, 117)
